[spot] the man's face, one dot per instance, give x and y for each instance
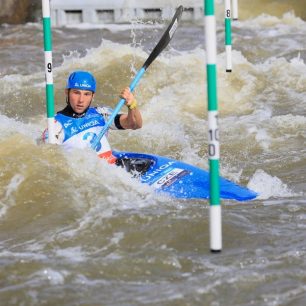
(79, 99)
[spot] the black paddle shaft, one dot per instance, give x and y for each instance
(164, 41)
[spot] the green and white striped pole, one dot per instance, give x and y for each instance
(213, 131)
(48, 70)
(228, 35)
(235, 9)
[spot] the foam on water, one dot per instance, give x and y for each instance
(10, 189)
(176, 93)
(268, 186)
(111, 189)
(73, 224)
(284, 23)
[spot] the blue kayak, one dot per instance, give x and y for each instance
(178, 179)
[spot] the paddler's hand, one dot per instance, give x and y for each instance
(130, 100)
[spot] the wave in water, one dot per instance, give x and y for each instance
(73, 230)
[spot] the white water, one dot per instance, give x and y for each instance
(73, 230)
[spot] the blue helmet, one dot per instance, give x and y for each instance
(81, 80)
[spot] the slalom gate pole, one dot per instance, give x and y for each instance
(228, 35)
(235, 9)
(48, 69)
(213, 131)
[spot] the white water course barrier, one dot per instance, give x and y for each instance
(71, 12)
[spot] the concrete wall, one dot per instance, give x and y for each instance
(120, 11)
(18, 11)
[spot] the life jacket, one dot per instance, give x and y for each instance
(80, 133)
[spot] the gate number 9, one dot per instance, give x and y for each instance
(49, 67)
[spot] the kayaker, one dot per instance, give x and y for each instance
(77, 124)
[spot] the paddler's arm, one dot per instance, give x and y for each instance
(133, 119)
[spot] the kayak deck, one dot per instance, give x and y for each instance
(179, 179)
